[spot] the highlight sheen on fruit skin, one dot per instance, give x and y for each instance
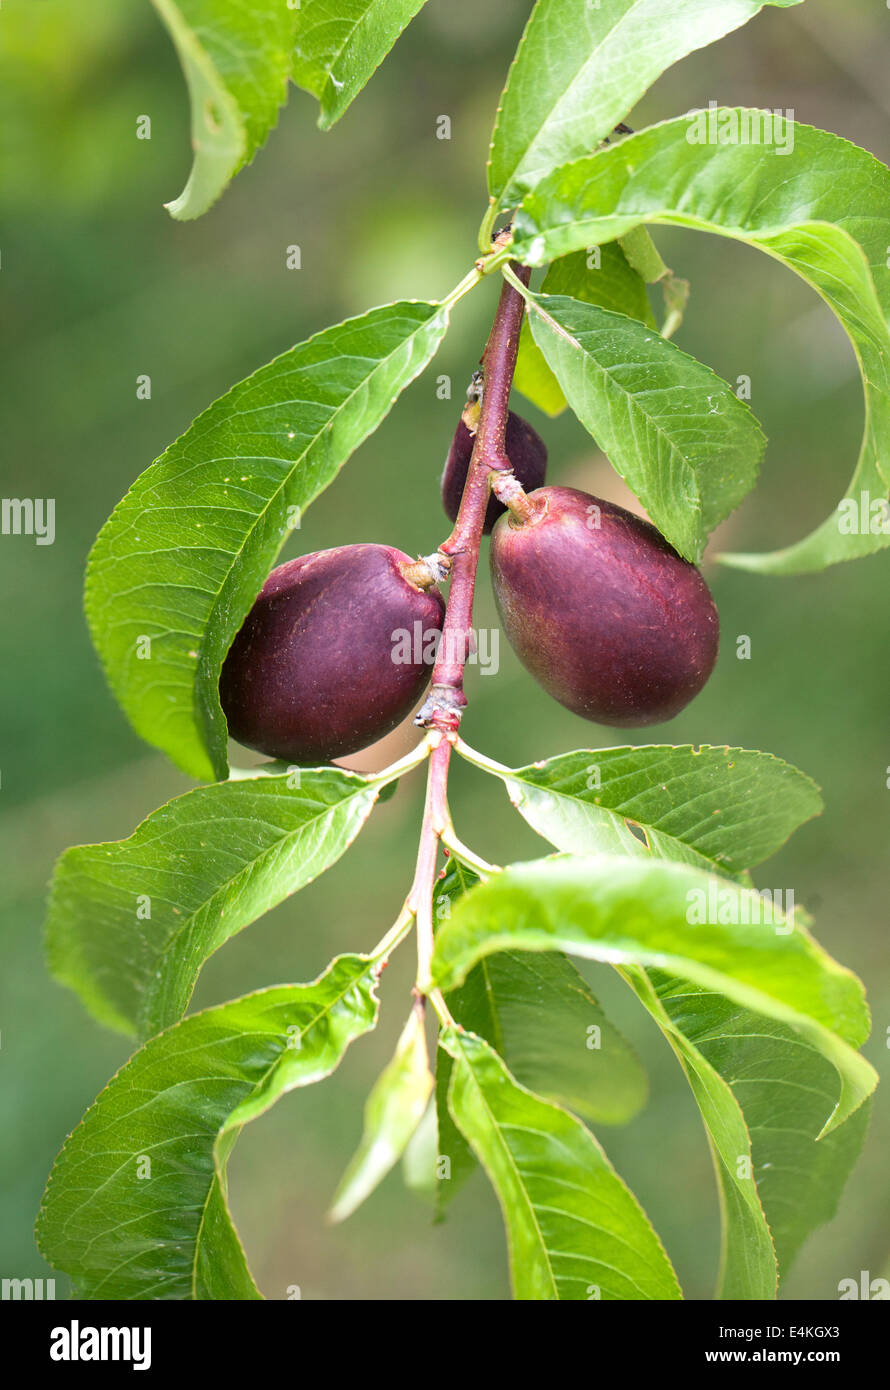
(602, 611)
(311, 675)
(525, 449)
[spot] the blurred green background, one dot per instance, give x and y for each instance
(99, 286)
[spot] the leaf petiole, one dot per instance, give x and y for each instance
(470, 755)
(487, 226)
(469, 282)
(397, 933)
(419, 753)
(467, 857)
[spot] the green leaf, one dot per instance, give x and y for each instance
(236, 60)
(690, 924)
(543, 1019)
(821, 207)
(541, 1016)
(574, 1230)
(183, 556)
(717, 808)
(341, 43)
(454, 1158)
(644, 257)
(545, 1022)
(420, 1161)
(393, 1111)
(613, 284)
(729, 809)
(763, 1092)
(131, 923)
(784, 1087)
(580, 68)
(534, 378)
(136, 1205)
(675, 431)
(747, 1256)
(459, 1163)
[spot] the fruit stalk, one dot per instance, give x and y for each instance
(510, 491)
(442, 708)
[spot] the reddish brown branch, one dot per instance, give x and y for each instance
(446, 699)
(442, 709)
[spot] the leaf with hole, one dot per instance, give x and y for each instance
(237, 61)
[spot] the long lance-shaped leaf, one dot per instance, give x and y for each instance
(678, 919)
(542, 1017)
(747, 1260)
(136, 1206)
(181, 559)
(455, 1161)
(579, 69)
(393, 1111)
(675, 431)
(131, 923)
(236, 59)
(723, 808)
(574, 1230)
(811, 200)
(606, 278)
(763, 1092)
(730, 808)
(341, 43)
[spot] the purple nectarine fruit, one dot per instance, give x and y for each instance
(601, 610)
(319, 668)
(525, 449)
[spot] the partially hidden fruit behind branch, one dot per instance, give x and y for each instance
(525, 449)
(602, 610)
(322, 666)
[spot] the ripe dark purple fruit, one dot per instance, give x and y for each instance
(318, 670)
(525, 449)
(602, 610)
